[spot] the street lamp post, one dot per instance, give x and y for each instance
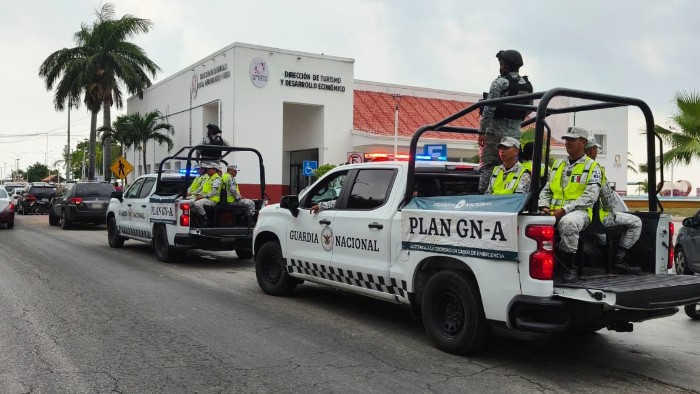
(397, 100)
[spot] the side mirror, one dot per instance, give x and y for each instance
(118, 195)
(292, 203)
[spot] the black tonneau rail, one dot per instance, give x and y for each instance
(191, 150)
(542, 110)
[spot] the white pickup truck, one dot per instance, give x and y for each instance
(153, 210)
(417, 234)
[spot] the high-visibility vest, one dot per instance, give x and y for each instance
(208, 186)
(508, 183)
(601, 212)
(528, 166)
(226, 182)
(197, 182)
(579, 178)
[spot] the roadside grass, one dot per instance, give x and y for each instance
(681, 212)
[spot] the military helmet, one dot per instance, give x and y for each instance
(510, 56)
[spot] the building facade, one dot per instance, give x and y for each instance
(294, 107)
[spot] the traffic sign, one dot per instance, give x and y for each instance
(355, 157)
(309, 167)
(121, 168)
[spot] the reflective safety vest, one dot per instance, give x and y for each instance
(528, 166)
(579, 177)
(601, 212)
(197, 183)
(508, 183)
(226, 180)
(209, 185)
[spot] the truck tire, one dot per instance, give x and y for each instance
(271, 272)
(65, 222)
(164, 252)
(115, 240)
(693, 311)
(244, 253)
(681, 263)
(53, 220)
(453, 315)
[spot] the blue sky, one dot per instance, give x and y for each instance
(645, 49)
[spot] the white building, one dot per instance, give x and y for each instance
(294, 106)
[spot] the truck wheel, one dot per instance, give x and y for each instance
(65, 222)
(681, 263)
(271, 272)
(693, 311)
(115, 240)
(244, 253)
(53, 220)
(164, 252)
(453, 315)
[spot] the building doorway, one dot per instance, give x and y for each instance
(297, 180)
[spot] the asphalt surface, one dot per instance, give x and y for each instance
(79, 317)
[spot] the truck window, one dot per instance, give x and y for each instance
(371, 188)
(147, 187)
(328, 190)
(133, 190)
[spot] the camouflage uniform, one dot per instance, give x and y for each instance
(494, 129)
(238, 200)
(206, 200)
(576, 217)
(523, 185)
(632, 224)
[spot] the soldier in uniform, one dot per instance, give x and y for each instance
(569, 195)
(497, 123)
(511, 176)
(209, 195)
(233, 194)
(610, 218)
(196, 186)
(213, 137)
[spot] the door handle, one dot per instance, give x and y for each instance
(375, 225)
(324, 221)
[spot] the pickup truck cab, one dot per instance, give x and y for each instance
(419, 235)
(154, 209)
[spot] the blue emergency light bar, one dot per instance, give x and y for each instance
(430, 158)
(193, 172)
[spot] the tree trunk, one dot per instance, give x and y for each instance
(93, 138)
(144, 158)
(107, 145)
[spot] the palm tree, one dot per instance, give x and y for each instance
(685, 144)
(136, 130)
(101, 60)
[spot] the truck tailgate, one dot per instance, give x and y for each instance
(635, 292)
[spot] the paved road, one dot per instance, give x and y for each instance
(77, 316)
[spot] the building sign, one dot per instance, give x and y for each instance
(209, 77)
(295, 79)
(259, 72)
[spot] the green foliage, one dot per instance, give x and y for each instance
(36, 172)
(93, 70)
(321, 170)
(137, 130)
(684, 143)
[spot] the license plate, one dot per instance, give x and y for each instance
(44, 199)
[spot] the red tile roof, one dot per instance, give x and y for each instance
(373, 112)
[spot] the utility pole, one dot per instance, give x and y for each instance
(397, 100)
(70, 104)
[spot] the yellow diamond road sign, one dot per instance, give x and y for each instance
(121, 168)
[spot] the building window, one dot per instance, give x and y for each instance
(603, 141)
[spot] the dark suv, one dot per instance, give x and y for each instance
(35, 198)
(80, 202)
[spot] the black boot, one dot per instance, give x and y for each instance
(568, 261)
(621, 267)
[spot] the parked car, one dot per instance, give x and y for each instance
(7, 208)
(84, 202)
(687, 254)
(10, 187)
(35, 198)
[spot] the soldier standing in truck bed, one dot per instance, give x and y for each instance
(496, 122)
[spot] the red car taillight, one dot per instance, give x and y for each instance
(75, 200)
(30, 197)
(671, 252)
(542, 260)
(185, 215)
(12, 207)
